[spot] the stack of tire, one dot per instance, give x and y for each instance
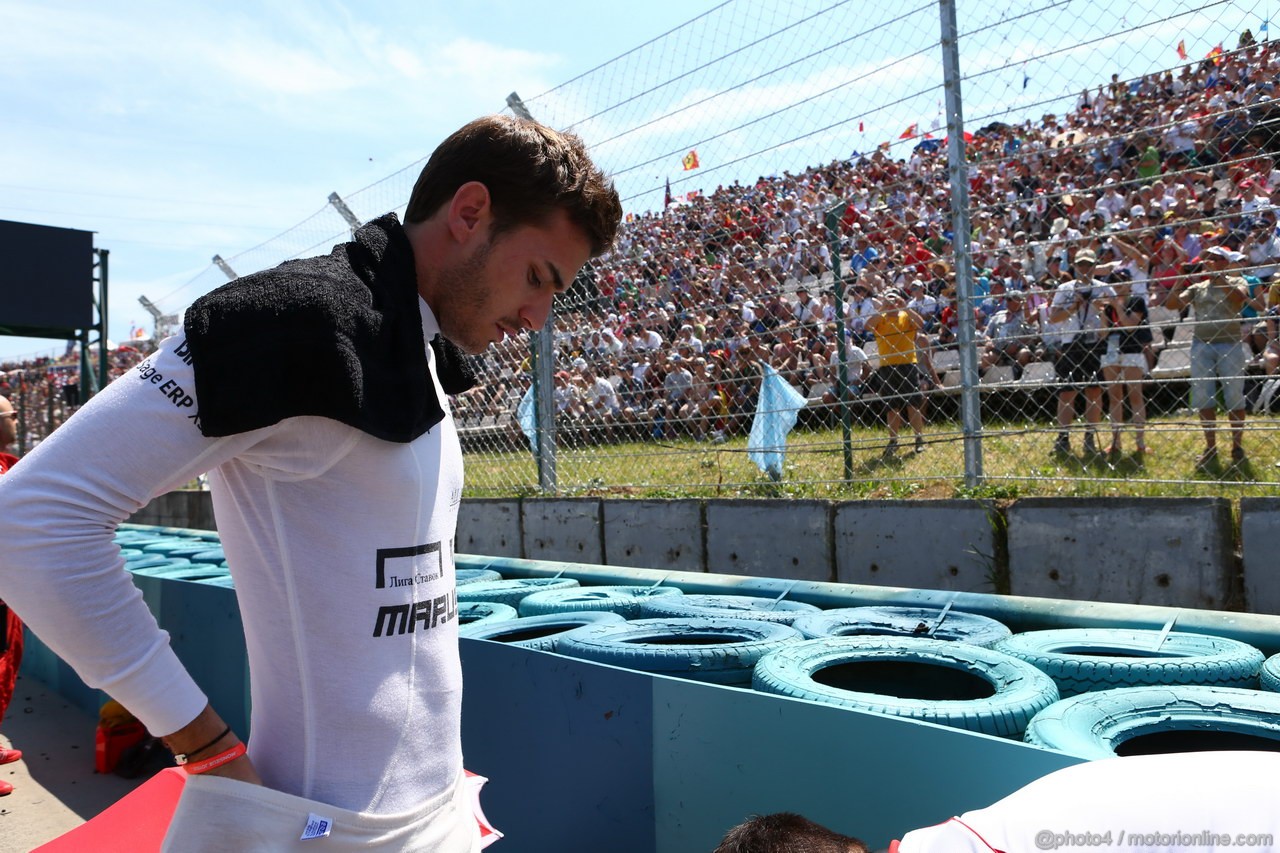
(926, 664)
(174, 555)
(1132, 692)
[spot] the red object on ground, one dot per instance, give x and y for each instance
(110, 743)
(135, 824)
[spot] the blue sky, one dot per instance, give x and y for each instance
(177, 130)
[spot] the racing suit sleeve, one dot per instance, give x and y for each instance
(60, 569)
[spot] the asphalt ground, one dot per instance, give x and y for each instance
(55, 788)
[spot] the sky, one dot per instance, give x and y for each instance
(176, 131)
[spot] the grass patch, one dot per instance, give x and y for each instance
(1017, 462)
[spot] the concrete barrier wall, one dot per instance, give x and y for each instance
(1167, 551)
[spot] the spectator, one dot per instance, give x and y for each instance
(10, 624)
(1075, 320)
(895, 327)
(1123, 362)
(1011, 336)
(1217, 353)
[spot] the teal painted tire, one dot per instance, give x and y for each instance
(951, 684)
(1269, 675)
(192, 548)
(189, 572)
(541, 633)
(164, 546)
(1081, 660)
(462, 577)
(150, 564)
(472, 612)
(511, 592)
(903, 622)
(1101, 724)
(719, 651)
(626, 601)
(726, 607)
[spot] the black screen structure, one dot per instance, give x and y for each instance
(46, 278)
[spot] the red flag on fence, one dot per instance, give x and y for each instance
(861, 129)
(1182, 49)
(909, 132)
(691, 160)
(1215, 55)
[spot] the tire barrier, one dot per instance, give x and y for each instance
(212, 556)
(1145, 720)
(952, 684)
(164, 546)
(189, 572)
(1080, 660)
(148, 562)
(541, 633)
(466, 576)
(726, 607)
(626, 601)
(191, 548)
(471, 612)
(719, 651)
(1269, 675)
(511, 592)
(920, 622)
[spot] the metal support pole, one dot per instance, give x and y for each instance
(970, 403)
(104, 366)
(341, 206)
(225, 267)
(544, 368)
(545, 396)
(834, 215)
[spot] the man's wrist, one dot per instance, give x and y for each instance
(197, 734)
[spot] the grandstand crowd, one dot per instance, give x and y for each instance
(1122, 198)
(1128, 192)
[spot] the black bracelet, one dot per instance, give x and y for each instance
(184, 757)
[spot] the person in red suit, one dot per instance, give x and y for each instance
(10, 625)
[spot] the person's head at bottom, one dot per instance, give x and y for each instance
(786, 832)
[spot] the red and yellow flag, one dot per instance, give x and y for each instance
(1215, 55)
(690, 160)
(909, 132)
(1182, 49)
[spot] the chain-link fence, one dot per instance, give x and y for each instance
(1105, 180)
(794, 182)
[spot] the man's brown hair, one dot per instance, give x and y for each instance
(530, 171)
(786, 832)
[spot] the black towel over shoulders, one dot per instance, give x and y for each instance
(337, 336)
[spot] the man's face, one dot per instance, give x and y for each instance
(506, 284)
(8, 424)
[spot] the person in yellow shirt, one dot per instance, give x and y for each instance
(895, 327)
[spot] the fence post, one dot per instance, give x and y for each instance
(970, 402)
(545, 397)
(833, 218)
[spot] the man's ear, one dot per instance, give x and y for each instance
(470, 213)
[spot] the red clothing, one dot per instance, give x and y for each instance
(10, 630)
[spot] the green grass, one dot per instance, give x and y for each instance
(1017, 462)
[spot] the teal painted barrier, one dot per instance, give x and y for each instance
(587, 756)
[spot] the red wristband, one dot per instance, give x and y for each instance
(218, 760)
